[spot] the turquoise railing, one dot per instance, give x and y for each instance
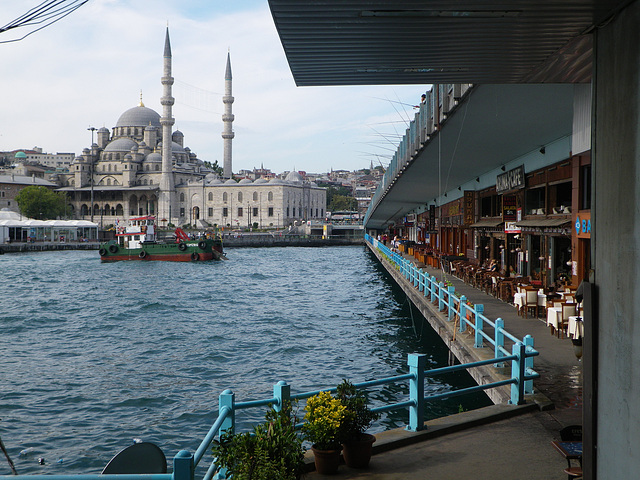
(457, 307)
(521, 380)
(185, 462)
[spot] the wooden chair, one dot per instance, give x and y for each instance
(530, 300)
(572, 433)
(568, 310)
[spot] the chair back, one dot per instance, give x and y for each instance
(531, 296)
(572, 433)
(569, 297)
(568, 310)
(141, 457)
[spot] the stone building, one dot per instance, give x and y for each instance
(131, 171)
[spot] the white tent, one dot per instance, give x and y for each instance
(16, 228)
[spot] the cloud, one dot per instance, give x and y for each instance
(90, 67)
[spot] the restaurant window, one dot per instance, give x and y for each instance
(225, 211)
(534, 201)
(560, 197)
(585, 186)
(270, 212)
(239, 211)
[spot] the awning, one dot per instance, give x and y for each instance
(487, 223)
(543, 222)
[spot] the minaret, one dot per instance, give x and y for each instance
(227, 119)
(167, 121)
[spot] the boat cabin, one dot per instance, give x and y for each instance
(139, 230)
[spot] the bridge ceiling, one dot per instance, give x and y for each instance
(367, 42)
(494, 125)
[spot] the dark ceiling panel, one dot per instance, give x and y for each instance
(419, 42)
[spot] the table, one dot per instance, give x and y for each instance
(554, 317)
(570, 451)
(575, 328)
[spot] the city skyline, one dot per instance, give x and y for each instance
(109, 51)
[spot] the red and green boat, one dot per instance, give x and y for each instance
(139, 241)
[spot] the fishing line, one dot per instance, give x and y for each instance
(413, 323)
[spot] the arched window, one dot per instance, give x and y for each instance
(182, 197)
(270, 196)
(147, 168)
(145, 182)
(150, 181)
(115, 168)
(224, 197)
(255, 196)
(210, 197)
(108, 181)
(240, 196)
(157, 168)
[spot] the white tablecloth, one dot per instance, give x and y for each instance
(554, 317)
(575, 327)
(519, 299)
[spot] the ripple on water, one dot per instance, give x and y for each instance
(95, 355)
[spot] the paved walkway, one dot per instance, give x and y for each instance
(492, 446)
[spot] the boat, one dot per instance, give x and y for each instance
(138, 240)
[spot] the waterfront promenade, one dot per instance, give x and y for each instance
(488, 443)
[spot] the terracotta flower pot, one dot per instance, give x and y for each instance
(357, 453)
(326, 461)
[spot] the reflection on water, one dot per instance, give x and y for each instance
(95, 355)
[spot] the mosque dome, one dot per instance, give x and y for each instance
(276, 181)
(154, 157)
(215, 181)
(231, 181)
(123, 144)
(260, 181)
(245, 181)
(103, 130)
(21, 155)
(139, 117)
(294, 177)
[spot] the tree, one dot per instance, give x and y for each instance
(341, 203)
(214, 166)
(41, 203)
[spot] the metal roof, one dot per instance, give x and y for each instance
(365, 42)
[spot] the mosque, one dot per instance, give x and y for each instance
(142, 167)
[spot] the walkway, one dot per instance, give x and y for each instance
(481, 444)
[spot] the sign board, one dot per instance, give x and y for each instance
(582, 225)
(511, 180)
(509, 208)
(469, 207)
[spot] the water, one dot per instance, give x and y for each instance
(95, 355)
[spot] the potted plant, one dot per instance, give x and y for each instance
(272, 450)
(357, 445)
(324, 416)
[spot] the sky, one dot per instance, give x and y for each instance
(88, 68)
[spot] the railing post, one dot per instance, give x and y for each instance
(463, 314)
(282, 392)
(499, 342)
(452, 305)
(440, 296)
(427, 284)
(420, 281)
(433, 289)
(528, 363)
(227, 399)
(183, 466)
(517, 373)
(478, 338)
(417, 363)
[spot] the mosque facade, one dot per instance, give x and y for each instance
(142, 167)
